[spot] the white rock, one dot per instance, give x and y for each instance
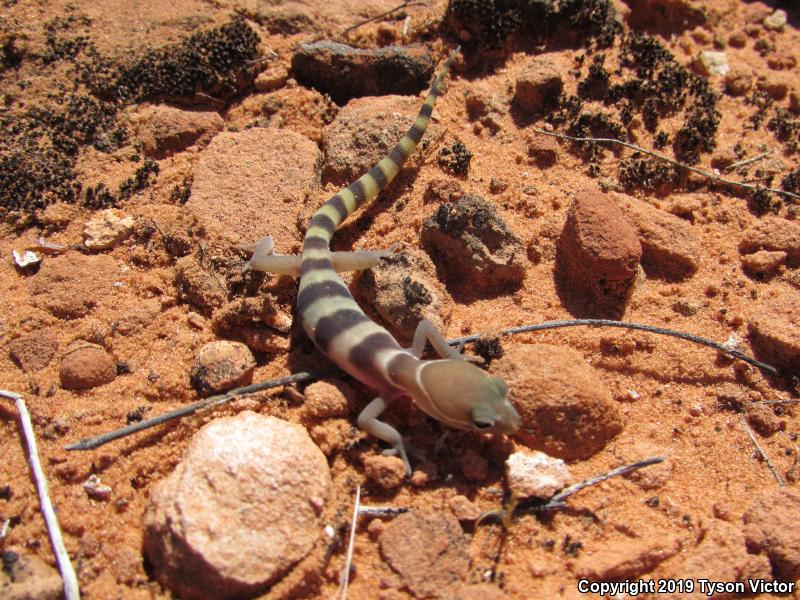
(26, 259)
(239, 511)
(108, 228)
(713, 63)
(776, 20)
(535, 474)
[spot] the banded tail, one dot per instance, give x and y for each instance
(364, 189)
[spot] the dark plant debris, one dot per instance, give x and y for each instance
(41, 141)
(493, 24)
(455, 158)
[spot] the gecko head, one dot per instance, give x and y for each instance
(464, 396)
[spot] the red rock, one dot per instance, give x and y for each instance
(33, 351)
(774, 328)
(538, 86)
(67, 286)
(566, 410)
(763, 262)
(240, 510)
(325, 399)
(221, 366)
(599, 238)
(245, 188)
(85, 365)
(774, 234)
(669, 246)
(598, 254)
(389, 472)
(773, 516)
(164, 130)
(738, 81)
(628, 558)
(428, 550)
(363, 132)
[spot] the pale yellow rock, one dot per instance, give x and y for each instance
(107, 229)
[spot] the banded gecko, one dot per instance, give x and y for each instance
(450, 389)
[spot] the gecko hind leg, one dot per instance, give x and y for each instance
(368, 421)
(360, 260)
(265, 259)
(427, 332)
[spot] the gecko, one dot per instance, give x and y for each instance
(450, 389)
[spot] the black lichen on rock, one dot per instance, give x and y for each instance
(472, 245)
(215, 62)
(455, 158)
(41, 141)
(491, 24)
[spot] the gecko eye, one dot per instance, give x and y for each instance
(482, 423)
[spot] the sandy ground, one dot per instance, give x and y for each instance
(683, 520)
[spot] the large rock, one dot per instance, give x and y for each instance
(239, 511)
(566, 410)
(253, 183)
(428, 550)
(598, 253)
(472, 245)
(772, 525)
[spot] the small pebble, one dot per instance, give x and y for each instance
(95, 488)
(221, 366)
(776, 21)
(85, 365)
(535, 474)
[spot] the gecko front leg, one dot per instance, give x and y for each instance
(368, 421)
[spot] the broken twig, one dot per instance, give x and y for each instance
(557, 500)
(381, 512)
(97, 441)
(71, 590)
(351, 544)
(724, 348)
(183, 411)
(672, 161)
(760, 450)
(381, 16)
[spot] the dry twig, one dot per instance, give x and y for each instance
(71, 590)
(760, 450)
(381, 16)
(711, 176)
(557, 500)
(95, 442)
(351, 544)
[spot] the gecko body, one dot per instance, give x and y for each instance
(449, 389)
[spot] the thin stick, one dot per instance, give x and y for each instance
(725, 349)
(4, 529)
(380, 16)
(212, 401)
(747, 161)
(557, 500)
(97, 441)
(672, 161)
(71, 590)
(760, 450)
(382, 512)
(350, 545)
